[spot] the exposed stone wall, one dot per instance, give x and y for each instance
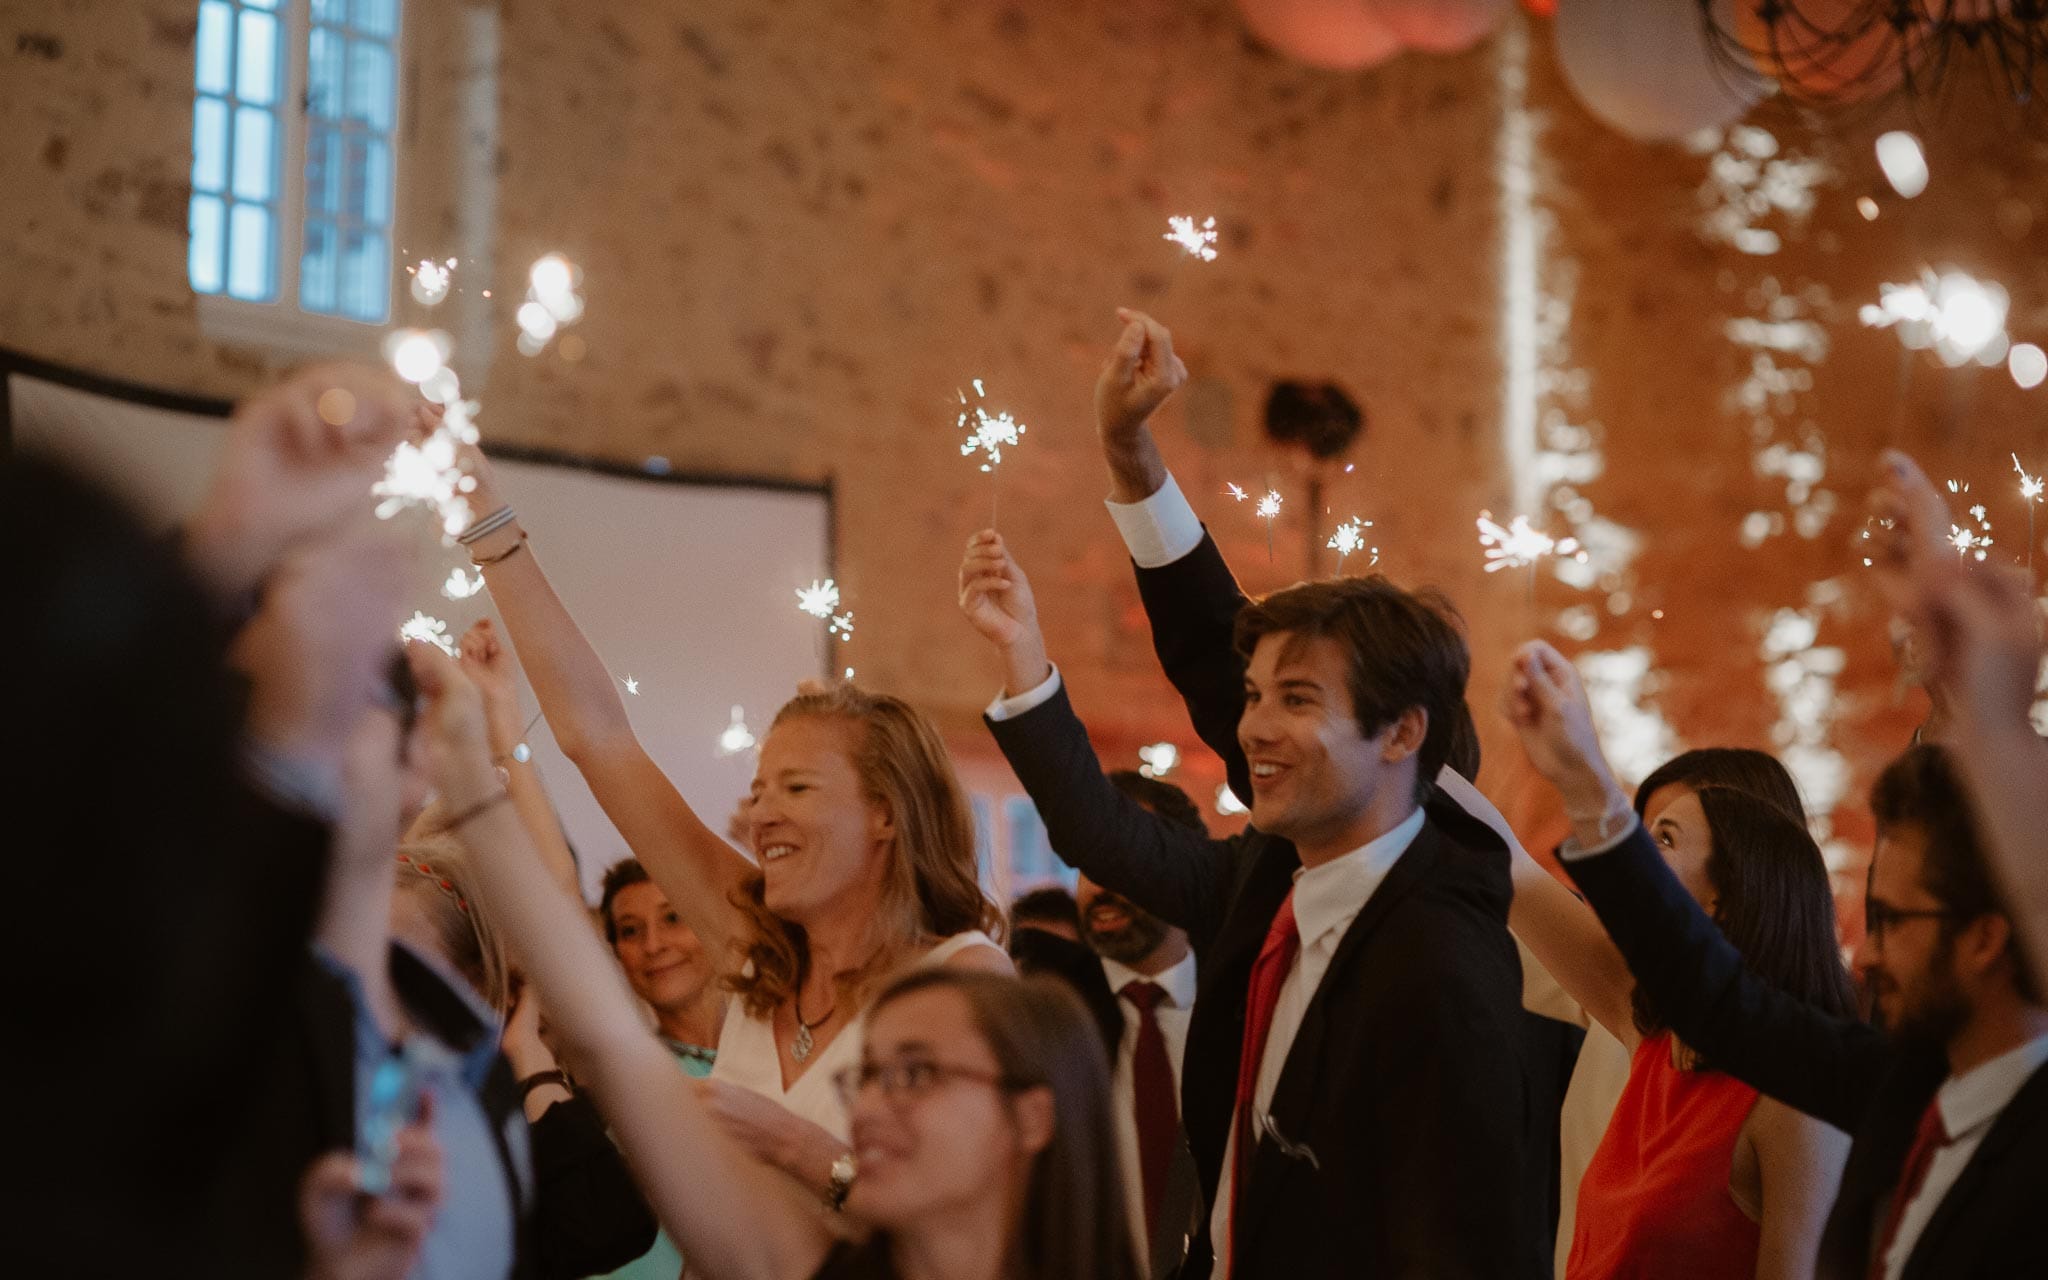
(803, 226)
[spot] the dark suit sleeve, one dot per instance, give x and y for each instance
(1192, 605)
(1176, 874)
(588, 1216)
(1819, 1063)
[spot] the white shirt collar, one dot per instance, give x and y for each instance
(1331, 896)
(1975, 1097)
(1178, 980)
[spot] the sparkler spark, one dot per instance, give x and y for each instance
(430, 280)
(1227, 802)
(552, 301)
(736, 736)
(1235, 492)
(426, 473)
(1200, 242)
(1269, 506)
(2030, 486)
(427, 629)
(460, 586)
(1158, 759)
(990, 432)
(1962, 318)
(1520, 544)
(819, 599)
(1348, 538)
(841, 625)
(632, 685)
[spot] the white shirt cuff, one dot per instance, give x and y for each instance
(1572, 851)
(1159, 530)
(1029, 700)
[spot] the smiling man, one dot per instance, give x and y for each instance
(1353, 1092)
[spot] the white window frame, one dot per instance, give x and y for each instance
(283, 326)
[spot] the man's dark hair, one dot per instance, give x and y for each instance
(1049, 904)
(622, 874)
(1162, 798)
(1405, 649)
(1756, 772)
(1920, 789)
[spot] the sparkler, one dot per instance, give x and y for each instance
(1268, 510)
(552, 301)
(1961, 318)
(2030, 493)
(1158, 759)
(841, 625)
(1349, 537)
(1522, 545)
(1233, 491)
(427, 629)
(1200, 242)
(736, 737)
(990, 433)
(460, 586)
(1227, 802)
(430, 280)
(426, 473)
(632, 686)
(819, 599)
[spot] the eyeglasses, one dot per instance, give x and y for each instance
(906, 1082)
(1879, 915)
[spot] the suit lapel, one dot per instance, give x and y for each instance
(2022, 1115)
(1294, 1093)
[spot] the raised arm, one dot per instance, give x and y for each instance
(729, 1214)
(1979, 638)
(1824, 1065)
(490, 666)
(1178, 875)
(696, 869)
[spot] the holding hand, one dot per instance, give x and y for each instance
(1140, 373)
(996, 597)
(351, 1236)
(458, 745)
(487, 661)
(1547, 704)
(300, 459)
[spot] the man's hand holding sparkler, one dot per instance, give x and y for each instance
(300, 459)
(996, 597)
(1140, 373)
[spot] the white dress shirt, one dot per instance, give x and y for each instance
(1326, 900)
(1969, 1104)
(1172, 1013)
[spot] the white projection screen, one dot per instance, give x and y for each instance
(684, 583)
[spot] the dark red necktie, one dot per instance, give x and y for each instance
(1931, 1137)
(1269, 973)
(1152, 1099)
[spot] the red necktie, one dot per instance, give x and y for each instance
(1152, 1099)
(1930, 1138)
(1269, 972)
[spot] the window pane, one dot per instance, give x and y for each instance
(376, 184)
(212, 47)
(323, 170)
(255, 154)
(335, 11)
(365, 267)
(369, 84)
(209, 144)
(256, 58)
(376, 17)
(202, 260)
(323, 73)
(260, 4)
(317, 268)
(249, 252)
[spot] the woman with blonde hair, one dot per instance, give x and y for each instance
(864, 848)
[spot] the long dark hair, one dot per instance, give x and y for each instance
(1757, 772)
(1772, 902)
(1074, 1226)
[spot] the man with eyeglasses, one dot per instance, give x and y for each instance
(1947, 1099)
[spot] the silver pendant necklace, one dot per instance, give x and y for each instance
(802, 1043)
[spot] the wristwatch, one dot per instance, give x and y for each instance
(843, 1172)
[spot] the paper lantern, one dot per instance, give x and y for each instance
(1441, 26)
(1645, 66)
(1336, 35)
(1828, 50)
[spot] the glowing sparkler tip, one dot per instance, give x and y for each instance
(1199, 241)
(632, 685)
(986, 432)
(2030, 486)
(430, 281)
(1349, 538)
(1521, 544)
(1158, 759)
(460, 586)
(1235, 492)
(427, 629)
(736, 736)
(1269, 506)
(417, 354)
(819, 599)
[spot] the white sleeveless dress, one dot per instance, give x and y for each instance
(747, 1054)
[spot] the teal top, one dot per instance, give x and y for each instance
(663, 1261)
